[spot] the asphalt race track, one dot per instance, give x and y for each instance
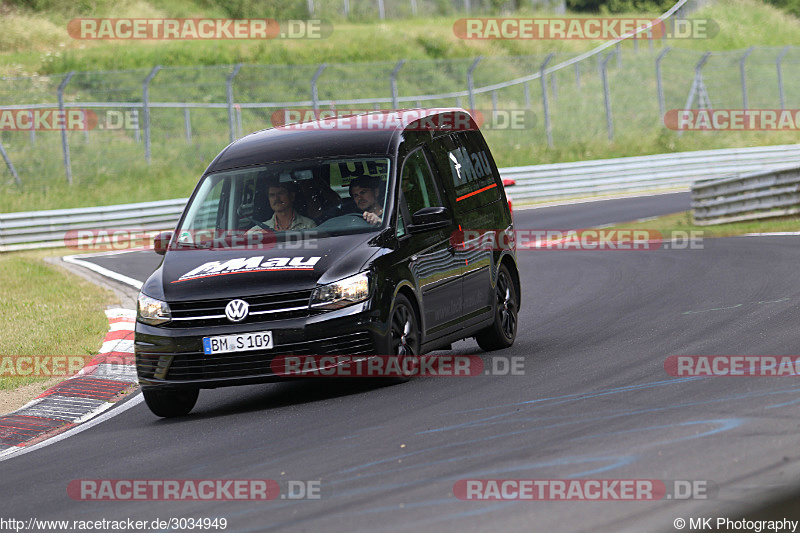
(595, 402)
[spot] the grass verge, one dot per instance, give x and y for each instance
(683, 222)
(47, 311)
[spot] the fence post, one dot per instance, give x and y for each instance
(146, 109)
(467, 6)
(742, 72)
(310, 4)
(470, 82)
(229, 94)
(526, 88)
(607, 97)
(494, 102)
(314, 94)
(64, 141)
(780, 75)
(553, 86)
(9, 164)
(137, 134)
(543, 80)
(346, 8)
(619, 55)
(381, 10)
(414, 7)
(578, 75)
(659, 83)
(397, 67)
(33, 131)
(187, 125)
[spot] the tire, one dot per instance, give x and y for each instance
(404, 333)
(170, 403)
(503, 331)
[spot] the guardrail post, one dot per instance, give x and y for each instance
(471, 83)
(229, 94)
(314, 93)
(494, 102)
(578, 75)
(187, 125)
(395, 70)
(9, 164)
(660, 85)
(146, 108)
(543, 79)
(607, 97)
(742, 72)
(619, 55)
(64, 141)
(780, 75)
(553, 86)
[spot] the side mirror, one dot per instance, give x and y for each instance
(429, 218)
(161, 242)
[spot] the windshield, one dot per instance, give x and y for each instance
(297, 200)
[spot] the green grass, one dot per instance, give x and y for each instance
(46, 311)
(683, 222)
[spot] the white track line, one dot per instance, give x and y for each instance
(76, 260)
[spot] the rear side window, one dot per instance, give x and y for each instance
(471, 170)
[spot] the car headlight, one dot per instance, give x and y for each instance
(151, 311)
(341, 293)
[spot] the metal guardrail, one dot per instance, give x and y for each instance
(750, 196)
(642, 173)
(52, 229)
(46, 229)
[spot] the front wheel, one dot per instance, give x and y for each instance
(404, 337)
(503, 331)
(170, 403)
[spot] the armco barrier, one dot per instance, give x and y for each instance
(750, 196)
(43, 229)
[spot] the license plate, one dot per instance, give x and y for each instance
(261, 340)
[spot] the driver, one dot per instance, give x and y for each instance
(366, 192)
(285, 216)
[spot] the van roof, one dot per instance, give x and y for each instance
(366, 134)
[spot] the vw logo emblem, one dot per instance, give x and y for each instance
(237, 310)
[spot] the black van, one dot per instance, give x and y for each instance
(337, 236)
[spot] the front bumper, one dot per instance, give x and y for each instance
(173, 357)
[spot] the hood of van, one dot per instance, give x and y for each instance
(191, 274)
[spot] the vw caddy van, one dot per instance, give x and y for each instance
(373, 261)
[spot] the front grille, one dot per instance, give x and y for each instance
(205, 313)
(192, 366)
